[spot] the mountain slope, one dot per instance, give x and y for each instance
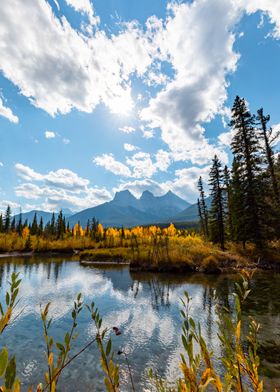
(190, 214)
(111, 215)
(127, 210)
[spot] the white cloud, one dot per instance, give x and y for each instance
(137, 187)
(163, 160)
(1, 164)
(81, 71)
(148, 133)
(142, 165)
(7, 113)
(111, 164)
(62, 178)
(225, 138)
(269, 7)
(66, 141)
(198, 91)
(75, 71)
(5, 203)
(130, 147)
(127, 129)
(84, 6)
(139, 165)
(184, 184)
(27, 173)
(59, 189)
(50, 135)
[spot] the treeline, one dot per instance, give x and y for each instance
(245, 200)
(56, 228)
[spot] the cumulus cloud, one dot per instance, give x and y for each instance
(142, 165)
(27, 173)
(268, 7)
(62, 178)
(199, 89)
(112, 165)
(7, 113)
(139, 165)
(60, 188)
(130, 147)
(184, 184)
(127, 129)
(50, 135)
(84, 6)
(75, 71)
(5, 203)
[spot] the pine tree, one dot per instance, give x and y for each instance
(34, 226)
(204, 212)
(7, 225)
(13, 224)
(245, 147)
(19, 224)
(52, 225)
(60, 225)
(268, 138)
(1, 224)
(41, 226)
(201, 221)
(217, 213)
(237, 205)
(228, 201)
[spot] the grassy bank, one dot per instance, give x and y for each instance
(148, 248)
(189, 253)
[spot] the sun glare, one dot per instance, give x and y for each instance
(122, 105)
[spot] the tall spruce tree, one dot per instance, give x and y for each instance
(217, 211)
(268, 138)
(52, 227)
(245, 147)
(13, 224)
(60, 225)
(19, 224)
(7, 225)
(237, 205)
(228, 202)
(34, 226)
(203, 208)
(41, 226)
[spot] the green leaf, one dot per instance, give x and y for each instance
(108, 347)
(60, 346)
(7, 299)
(3, 361)
(10, 374)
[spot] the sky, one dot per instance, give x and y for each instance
(98, 96)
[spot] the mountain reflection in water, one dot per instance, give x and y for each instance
(145, 306)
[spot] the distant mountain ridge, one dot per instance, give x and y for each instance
(47, 216)
(127, 210)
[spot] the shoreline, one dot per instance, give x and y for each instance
(227, 265)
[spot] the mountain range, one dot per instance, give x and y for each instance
(127, 210)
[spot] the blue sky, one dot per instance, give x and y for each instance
(98, 96)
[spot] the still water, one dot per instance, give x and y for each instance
(146, 308)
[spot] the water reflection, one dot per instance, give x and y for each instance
(146, 308)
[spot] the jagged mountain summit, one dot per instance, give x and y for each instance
(127, 210)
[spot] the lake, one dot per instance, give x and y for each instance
(146, 308)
